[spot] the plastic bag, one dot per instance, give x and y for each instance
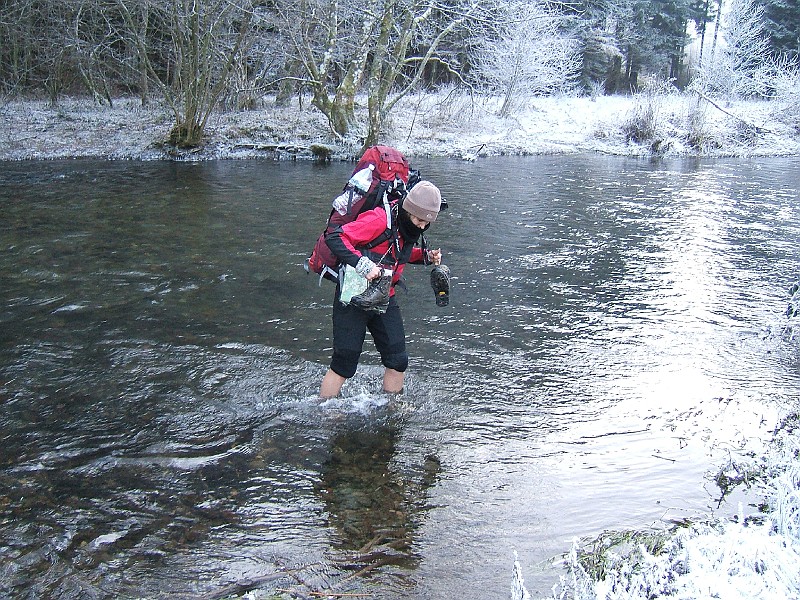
(352, 284)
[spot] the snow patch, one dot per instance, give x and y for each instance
(448, 123)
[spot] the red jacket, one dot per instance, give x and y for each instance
(347, 243)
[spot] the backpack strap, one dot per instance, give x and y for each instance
(385, 194)
(423, 243)
(387, 234)
(328, 273)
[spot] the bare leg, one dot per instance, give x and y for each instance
(393, 381)
(331, 385)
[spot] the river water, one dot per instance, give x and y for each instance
(616, 333)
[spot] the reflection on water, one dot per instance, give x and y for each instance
(616, 328)
(373, 508)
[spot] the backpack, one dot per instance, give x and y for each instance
(390, 172)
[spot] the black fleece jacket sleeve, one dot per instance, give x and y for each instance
(340, 249)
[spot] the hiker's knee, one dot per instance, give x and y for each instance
(345, 362)
(397, 361)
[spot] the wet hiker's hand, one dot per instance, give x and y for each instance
(435, 256)
(374, 273)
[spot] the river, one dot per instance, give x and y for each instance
(615, 334)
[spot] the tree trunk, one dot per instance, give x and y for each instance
(716, 28)
(508, 100)
(286, 87)
(703, 34)
(630, 74)
(144, 80)
(379, 71)
(613, 77)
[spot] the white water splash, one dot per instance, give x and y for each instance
(361, 403)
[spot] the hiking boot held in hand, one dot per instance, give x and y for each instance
(440, 282)
(376, 296)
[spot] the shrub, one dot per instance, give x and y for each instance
(644, 121)
(787, 96)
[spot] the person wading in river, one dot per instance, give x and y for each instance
(351, 321)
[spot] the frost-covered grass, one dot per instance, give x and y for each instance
(448, 123)
(752, 556)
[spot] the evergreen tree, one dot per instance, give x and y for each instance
(782, 19)
(668, 35)
(600, 53)
(623, 38)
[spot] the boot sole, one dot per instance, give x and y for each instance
(440, 282)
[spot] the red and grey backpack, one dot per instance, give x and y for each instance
(390, 173)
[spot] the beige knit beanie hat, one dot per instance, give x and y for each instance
(423, 201)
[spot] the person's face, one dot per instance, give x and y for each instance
(418, 222)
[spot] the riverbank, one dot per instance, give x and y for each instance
(754, 555)
(454, 125)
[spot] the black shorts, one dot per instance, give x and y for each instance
(350, 326)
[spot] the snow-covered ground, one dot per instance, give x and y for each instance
(455, 124)
(754, 558)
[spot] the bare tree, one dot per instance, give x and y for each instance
(379, 46)
(33, 52)
(525, 52)
(16, 56)
(397, 70)
(787, 93)
(202, 44)
(93, 37)
(740, 62)
(332, 41)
